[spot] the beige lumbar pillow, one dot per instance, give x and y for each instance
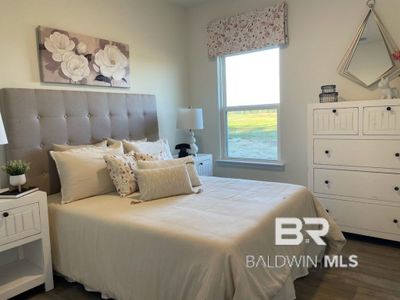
(164, 182)
(63, 147)
(188, 161)
(83, 172)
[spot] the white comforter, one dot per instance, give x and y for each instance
(186, 247)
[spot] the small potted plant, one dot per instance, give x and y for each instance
(16, 169)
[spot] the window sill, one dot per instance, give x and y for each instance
(268, 165)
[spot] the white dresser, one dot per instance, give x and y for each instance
(354, 164)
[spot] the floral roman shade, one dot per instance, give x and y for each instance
(248, 31)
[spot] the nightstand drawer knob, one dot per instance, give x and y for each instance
(397, 154)
(5, 214)
(388, 108)
(395, 221)
(326, 181)
(334, 111)
(396, 188)
(200, 164)
(326, 151)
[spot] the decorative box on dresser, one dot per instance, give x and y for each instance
(354, 164)
(25, 258)
(204, 164)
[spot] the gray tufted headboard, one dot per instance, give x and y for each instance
(35, 119)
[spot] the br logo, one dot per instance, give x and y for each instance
(288, 231)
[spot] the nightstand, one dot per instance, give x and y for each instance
(25, 257)
(204, 164)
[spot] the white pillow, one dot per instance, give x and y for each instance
(83, 172)
(187, 161)
(164, 182)
(160, 147)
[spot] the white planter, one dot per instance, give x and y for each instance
(18, 180)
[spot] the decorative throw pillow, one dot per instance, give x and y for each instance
(62, 147)
(145, 156)
(160, 147)
(83, 172)
(121, 169)
(164, 182)
(188, 161)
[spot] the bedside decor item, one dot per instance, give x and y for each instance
(387, 91)
(372, 53)
(15, 194)
(328, 94)
(190, 119)
(72, 58)
(183, 150)
(16, 169)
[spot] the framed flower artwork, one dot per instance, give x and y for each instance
(71, 58)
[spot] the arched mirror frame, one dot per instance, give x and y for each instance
(391, 46)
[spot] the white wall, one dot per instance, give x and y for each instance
(154, 30)
(319, 33)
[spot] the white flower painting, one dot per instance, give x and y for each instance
(78, 59)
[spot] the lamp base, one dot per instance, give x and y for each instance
(192, 142)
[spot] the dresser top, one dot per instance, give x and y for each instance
(356, 103)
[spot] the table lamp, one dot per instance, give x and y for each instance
(190, 119)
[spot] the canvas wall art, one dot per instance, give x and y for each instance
(72, 58)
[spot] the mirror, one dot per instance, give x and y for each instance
(370, 55)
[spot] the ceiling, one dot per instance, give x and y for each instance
(187, 3)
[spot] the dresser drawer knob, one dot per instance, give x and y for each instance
(326, 181)
(396, 188)
(326, 151)
(200, 164)
(388, 108)
(327, 210)
(397, 154)
(5, 214)
(395, 221)
(334, 111)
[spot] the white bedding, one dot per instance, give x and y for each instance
(185, 247)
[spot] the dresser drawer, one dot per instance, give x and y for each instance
(382, 120)
(376, 186)
(379, 218)
(336, 121)
(358, 153)
(19, 222)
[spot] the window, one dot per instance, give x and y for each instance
(249, 97)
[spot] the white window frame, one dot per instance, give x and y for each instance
(223, 112)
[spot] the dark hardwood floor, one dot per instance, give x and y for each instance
(377, 277)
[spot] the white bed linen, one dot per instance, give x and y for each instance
(184, 247)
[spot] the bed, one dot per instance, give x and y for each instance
(184, 247)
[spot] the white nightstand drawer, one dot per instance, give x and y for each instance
(204, 164)
(19, 222)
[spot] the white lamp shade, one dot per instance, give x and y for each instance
(190, 118)
(3, 136)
